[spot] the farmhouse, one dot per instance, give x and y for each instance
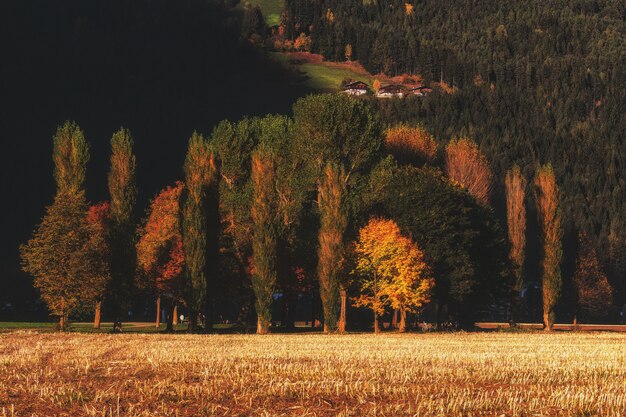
(420, 91)
(393, 90)
(357, 88)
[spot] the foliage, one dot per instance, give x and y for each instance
(65, 257)
(70, 155)
(548, 210)
(160, 256)
(200, 176)
(467, 166)
(123, 195)
(516, 221)
(594, 292)
(412, 145)
(99, 218)
(467, 248)
(264, 240)
(393, 270)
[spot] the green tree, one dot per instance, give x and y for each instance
(123, 195)
(200, 172)
(264, 240)
(549, 214)
(70, 155)
(341, 140)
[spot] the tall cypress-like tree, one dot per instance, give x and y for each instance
(548, 210)
(123, 196)
(264, 240)
(200, 172)
(70, 155)
(333, 225)
(516, 221)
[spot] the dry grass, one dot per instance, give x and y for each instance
(483, 374)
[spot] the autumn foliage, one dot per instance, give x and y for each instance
(160, 257)
(393, 270)
(516, 220)
(467, 166)
(413, 145)
(549, 216)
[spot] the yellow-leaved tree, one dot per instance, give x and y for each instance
(392, 271)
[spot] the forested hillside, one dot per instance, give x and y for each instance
(532, 82)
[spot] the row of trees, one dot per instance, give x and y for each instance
(532, 82)
(324, 202)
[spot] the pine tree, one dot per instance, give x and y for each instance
(123, 194)
(264, 240)
(549, 212)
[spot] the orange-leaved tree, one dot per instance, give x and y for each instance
(99, 217)
(411, 145)
(392, 271)
(467, 166)
(516, 221)
(160, 256)
(549, 216)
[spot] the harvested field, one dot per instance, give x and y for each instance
(477, 374)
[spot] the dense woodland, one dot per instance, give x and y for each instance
(533, 82)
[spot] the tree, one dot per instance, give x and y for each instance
(123, 195)
(412, 145)
(516, 221)
(333, 223)
(160, 256)
(594, 293)
(264, 240)
(99, 218)
(341, 140)
(63, 254)
(303, 43)
(549, 213)
(200, 175)
(467, 166)
(64, 257)
(466, 247)
(70, 155)
(393, 271)
(348, 52)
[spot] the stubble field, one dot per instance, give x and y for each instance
(479, 374)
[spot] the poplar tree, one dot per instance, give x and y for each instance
(64, 254)
(200, 172)
(123, 195)
(467, 166)
(264, 240)
(516, 221)
(341, 139)
(549, 213)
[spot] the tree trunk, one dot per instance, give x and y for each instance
(394, 319)
(175, 315)
(376, 324)
(96, 318)
(170, 316)
(62, 322)
(548, 320)
(262, 326)
(342, 315)
(158, 312)
(402, 326)
(313, 312)
(208, 314)
(193, 322)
